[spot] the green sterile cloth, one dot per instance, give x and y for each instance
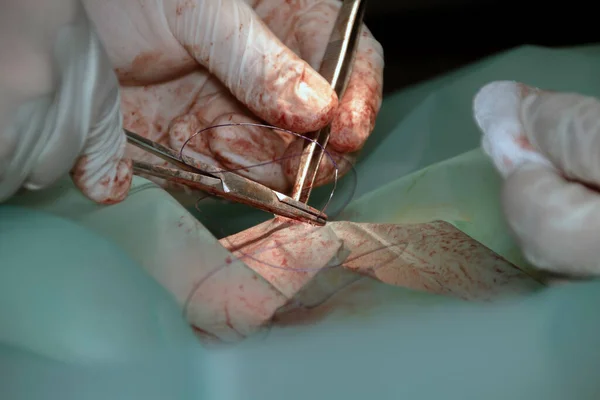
(544, 345)
(80, 320)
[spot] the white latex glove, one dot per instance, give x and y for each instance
(59, 103)
(187, 65)
(546, 146)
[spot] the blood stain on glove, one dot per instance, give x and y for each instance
(253, 152)
(171, 114)
(326, 172)
(183, 135)
(293, 96)
(114, 182)
(150, 67)
(184, 6)
(497, 110)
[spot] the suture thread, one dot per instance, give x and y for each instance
(327, 153)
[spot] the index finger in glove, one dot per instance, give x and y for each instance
(229, 39)
(307, 25)
(556, 222)
(565, 128)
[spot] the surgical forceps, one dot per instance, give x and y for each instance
(225, 184)
(336, 68)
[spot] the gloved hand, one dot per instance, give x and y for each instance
(59, 103)
(546, 146)
(187, 65)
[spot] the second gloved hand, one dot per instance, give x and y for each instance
(59, 103)
(546, 146)
(187, 65)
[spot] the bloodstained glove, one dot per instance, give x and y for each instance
(188, 65)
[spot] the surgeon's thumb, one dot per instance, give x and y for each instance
(229, 39)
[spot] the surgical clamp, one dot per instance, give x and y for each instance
(220, 183)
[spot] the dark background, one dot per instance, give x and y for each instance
(426, 38)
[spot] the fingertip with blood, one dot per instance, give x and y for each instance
(298, 99)
(355, 117)
(352, 124)
(109, 185)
